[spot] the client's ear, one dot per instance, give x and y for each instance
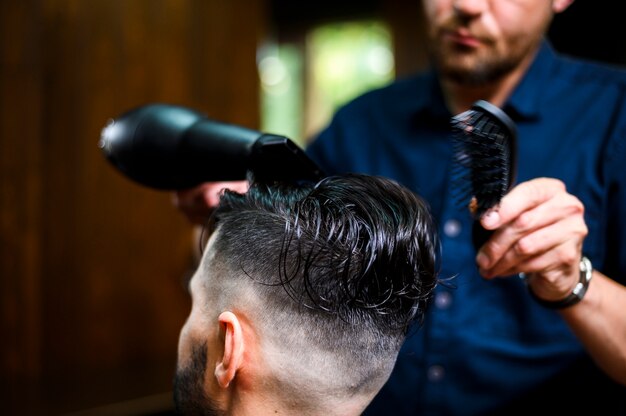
(230, 330)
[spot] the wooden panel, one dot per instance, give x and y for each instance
(406, 23)
(20, 201)
(92, 264)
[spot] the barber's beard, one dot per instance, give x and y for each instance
(475, 67)
(474, 71)
(471, 68)
(190, 397)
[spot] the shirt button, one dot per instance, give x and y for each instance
(443, 300)
(452, 228)
(436, 373)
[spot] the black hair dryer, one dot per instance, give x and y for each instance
(171, 147)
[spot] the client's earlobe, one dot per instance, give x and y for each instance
(559, 6)
(226, 368)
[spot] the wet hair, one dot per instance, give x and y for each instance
(344, 266)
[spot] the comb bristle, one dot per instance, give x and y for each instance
(483, 146)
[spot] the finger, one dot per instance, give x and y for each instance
(192, 205)
(523, 197)
(568, 233)
(514, 259)
(546, 248)
(188, 197)
(559, 208)
(505, 237)
(206, 195)
(547, 263)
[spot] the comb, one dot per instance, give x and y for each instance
(485, 160)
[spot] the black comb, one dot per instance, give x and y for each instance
(485, 160)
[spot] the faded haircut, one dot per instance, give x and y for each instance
(338, 272)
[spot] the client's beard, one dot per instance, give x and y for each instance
(189, 395)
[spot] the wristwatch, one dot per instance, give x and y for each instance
(578, 292)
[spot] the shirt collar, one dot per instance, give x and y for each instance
(525, 98)
(431, 104)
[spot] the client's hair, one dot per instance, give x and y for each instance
(335, 274)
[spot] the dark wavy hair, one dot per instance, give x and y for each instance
(333, 274)
(359, 247)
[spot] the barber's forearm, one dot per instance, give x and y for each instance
(599, 321)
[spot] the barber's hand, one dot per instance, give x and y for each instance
(539, 230)
(198, 203)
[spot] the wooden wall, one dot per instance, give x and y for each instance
(91, 265)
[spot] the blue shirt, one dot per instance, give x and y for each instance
(486, 347)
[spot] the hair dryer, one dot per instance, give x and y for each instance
(170, 147)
